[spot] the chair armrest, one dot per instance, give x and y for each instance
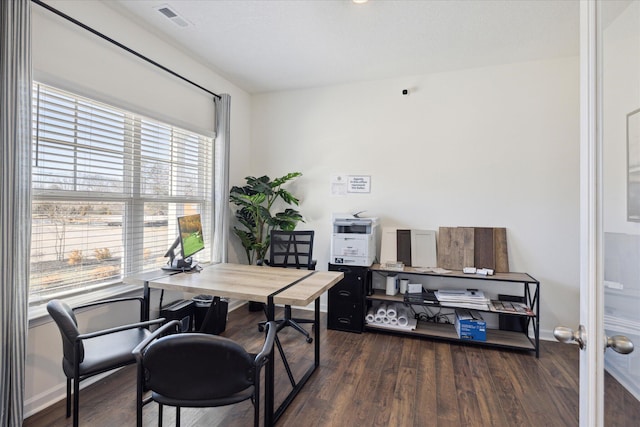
(112, 301)
(120, 328)
(312, 264)
(267, 348)
(137, 351)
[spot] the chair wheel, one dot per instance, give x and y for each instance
(260, 328)
(309, 340)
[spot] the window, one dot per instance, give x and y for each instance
(108, 186)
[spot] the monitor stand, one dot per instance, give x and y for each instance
(180, 265)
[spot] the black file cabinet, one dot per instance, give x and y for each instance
(346, 304)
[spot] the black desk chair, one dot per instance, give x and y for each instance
(92, 353)
(291, 249)
(198, 371)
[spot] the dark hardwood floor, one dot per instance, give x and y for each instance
(376, 379)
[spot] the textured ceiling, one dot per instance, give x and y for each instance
(274, 45)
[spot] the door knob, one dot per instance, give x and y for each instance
(620, 344)
(567, 335)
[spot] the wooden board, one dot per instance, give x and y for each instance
(484, 248)
(502, 257)
(480, 247)
(455, 247)
(403, 244)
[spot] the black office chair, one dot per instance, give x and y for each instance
(291, 249)
(198, 370)
(91, 353)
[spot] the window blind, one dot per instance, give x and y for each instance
(108, 186)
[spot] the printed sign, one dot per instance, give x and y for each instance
(359, 184)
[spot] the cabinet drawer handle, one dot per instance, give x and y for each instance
(344, 293)
(344, 320)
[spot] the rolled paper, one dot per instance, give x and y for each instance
(371, 315)
(393, 321)
(386, 320)
(391, 310)
(403, 317)
(382, 310)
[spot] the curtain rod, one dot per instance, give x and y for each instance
(128, 49)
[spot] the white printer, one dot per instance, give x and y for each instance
(354, 240)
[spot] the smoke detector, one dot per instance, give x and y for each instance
(172, 15)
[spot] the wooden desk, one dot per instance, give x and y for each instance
(269, 285)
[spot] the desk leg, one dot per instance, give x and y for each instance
(316, 362)
(317, 333)
(269, 375)
(146, 295)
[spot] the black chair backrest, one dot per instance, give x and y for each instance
(67, 323)
(293, 249)
(197, 366)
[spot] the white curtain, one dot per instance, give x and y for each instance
(15, 203)
(221, 178)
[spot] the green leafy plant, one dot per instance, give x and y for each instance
(255, 201)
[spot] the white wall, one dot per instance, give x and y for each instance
(67, 56)
(495, 146)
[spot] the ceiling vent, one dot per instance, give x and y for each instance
(172, 15)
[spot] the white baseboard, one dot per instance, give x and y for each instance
(49, 397)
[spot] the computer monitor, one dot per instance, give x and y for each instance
(190, 239)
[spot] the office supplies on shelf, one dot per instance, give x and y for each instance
(436, 270)
(404, 286)
(510, 307)
(394, 266)
(371, 315)
(414, 288)
(470, 325)
(473, 299)
(392, 285)
(391, 316)
(460, 295)
(424, 297)
(403, 317)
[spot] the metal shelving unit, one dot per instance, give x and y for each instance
(528, 286)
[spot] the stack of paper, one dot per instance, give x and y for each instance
(463, 298)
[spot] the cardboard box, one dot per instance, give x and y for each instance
(470, 325)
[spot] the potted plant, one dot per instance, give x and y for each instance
(255, 202)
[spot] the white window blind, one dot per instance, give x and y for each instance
(108, 186)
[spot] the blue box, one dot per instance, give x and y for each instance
(470, 325)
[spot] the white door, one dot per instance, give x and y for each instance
(610, 231)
